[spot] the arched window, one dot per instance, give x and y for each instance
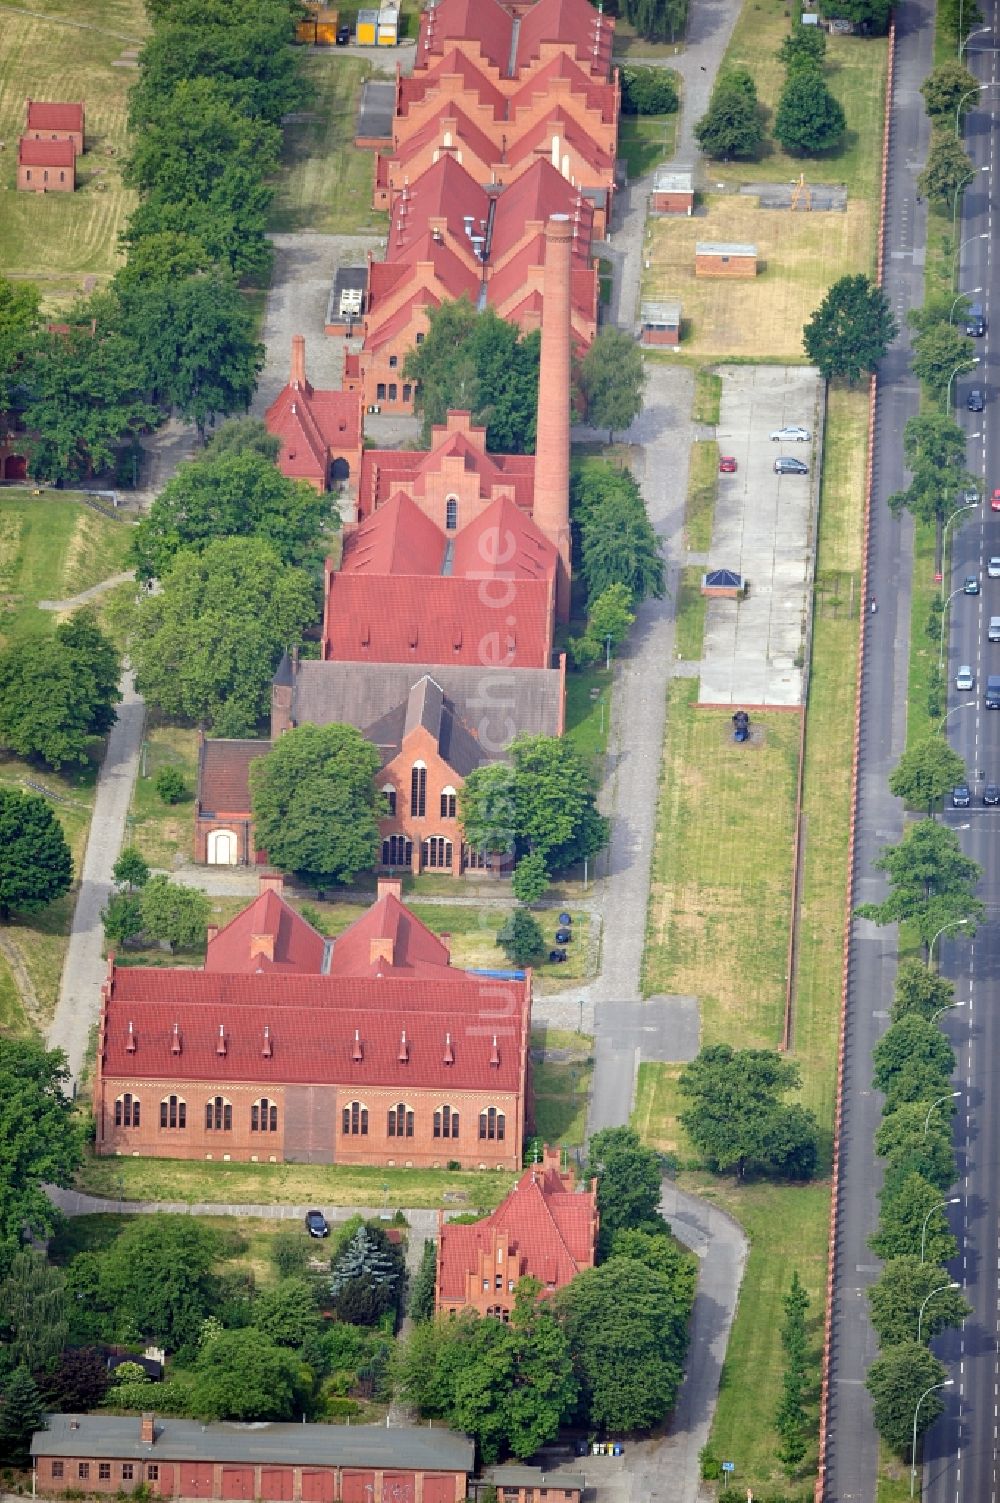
(393, 391)
(173, 1112)
(355, 1120)
(451, 513)
(449, 803)
(492, 1125)
(218, 1115)
(400, 1123)
(446, 1122)
(418, 790)
(437, 852)
(264, 1116)
(389, 794)
(397, 851)
(474, 860)
(127, 1110)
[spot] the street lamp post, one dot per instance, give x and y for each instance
(946, 1008)
(944, 618)
(979, 89)
(984, 235)
(959, 369)
(948, 1382)
(955, 923)
(949, 1096)
(973, 292)
(923, 1231)
(963, 43)
(920, 1318)
(966, 506)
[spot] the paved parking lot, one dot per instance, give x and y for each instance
(765, 530)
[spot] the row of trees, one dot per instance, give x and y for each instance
(948, 91)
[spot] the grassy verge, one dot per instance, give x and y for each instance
(699, 507)
(690, 615)
(894, 1479)
(561, 1085)
(270, 1184)
(588, 710)
(325, 182)
(646, 140)
(162, 831)
(923, 651)
(707, 396)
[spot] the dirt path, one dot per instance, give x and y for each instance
(71, 603)
(11, 952)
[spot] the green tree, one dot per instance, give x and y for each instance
(531, 877)
(178, 915)
(851, 330)
(122, 918)
(656, 20)
(916, 1138)
(911, 1215)
(35, 862)
(617, 542)
(156, 1280)
(131, 870)
(520, 937)
(897, 1381)
(367, 1277)
(422, 1286)
(205, 647)
(809, 119)
(948, 167)
(19, 317)
(939, 352)
(286, 1313)
(911, 1041)
(931, 882)
(652, 1245)
(315, 803)
(648, 91)
(39, 1141)
(803, 47)
(628, 1330)
(628, 1178)
(731, 126)
(243, 435)
(791, 1420)
(75, 1381)
(233, 493)
(197, 146)
(609, 620)
(945, 87)
(926, 771)
(241, 1375)
(920, 990)
(57, 692)
(159, 258)
(736, 1118)
(170, 785)
(900, 1291)
(612, 378)
(33, 1322)
(870, 16)
(543, 802)
(934, 449)
(21, 1414)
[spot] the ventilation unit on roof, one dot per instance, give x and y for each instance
(357, 1052)
(404, 1049)
(175, 1042)
(130, 1043)
(220, 1043)
(268, 1048)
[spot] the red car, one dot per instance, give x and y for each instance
(727, 466)
(995, 501)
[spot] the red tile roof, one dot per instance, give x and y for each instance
(560, 123)
(224, 775)
(503, 543)
(533, 198)
(599, 96)
(31, 153)
(405, 946)
(312, 426)
(453, 64)
(49, 114)
(269, 936)
(311, 1024)
(573, 23)
(445, 191)
(413, 618)
(384, 471)
(396, 539)
(463, 131)
(552, 1229)
(482, 21)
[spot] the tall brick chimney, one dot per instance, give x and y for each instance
(298, 373)
(390, 887)
(551, 505)
(147, 1429)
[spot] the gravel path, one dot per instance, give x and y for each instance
(85, 596)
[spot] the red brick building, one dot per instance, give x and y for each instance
(529, 1484)
(320, 431)
(46, 166)
(545, 1230)
(223, 822)
(50, 120)
(176, 1458)
(369, 1049)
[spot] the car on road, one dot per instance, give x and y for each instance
(727, 465)
(791, 434)
(991, 793)
(971, 585)
(968, 497)
(965, 678)
(975, 323)
(975, 400)
(993, 630)
(961, 797)
(995, 500)
(788, 466)
(993, 566)
(317, 1224)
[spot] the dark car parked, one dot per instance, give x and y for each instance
(563, 936)
(343, 36)
(786, 465)
(317, 1224)
(961, 798)
(976, 401)
(991, 793)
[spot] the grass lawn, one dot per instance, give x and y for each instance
(893, 1474)
(720, 895)
(197, 1182)
(163, 831)
(799, 256)
(707, 396)
(325, 182)
(633, 48)
(67, 49)
(14, 1022)
(699, 508)
(690, 615)
(588, 709)
(561, 1085)
(646, 140)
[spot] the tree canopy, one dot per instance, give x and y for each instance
(205, 647)
(851, 330)
(870, 16)
(926, 771)
(612, 377)
(931, 883)
(520, 937)
(57, 692)
(629, 1185)
(939, 352)
(543, 801)
(911, 1041)
(896, 1381)
(947, 169)
(40, 1140)
(35, 862)
(656, 20)
(902, 1287)
(920, 990)
(19, 317)
(617, 544)
(736, 1118)
(175, 914)
(731, 127)
(945, 87)
(243, 1375)
(911, 1215)
(315, 803)
(915, 1138)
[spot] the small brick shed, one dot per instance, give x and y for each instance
(661, 323)
(721, 258)
(673, 191)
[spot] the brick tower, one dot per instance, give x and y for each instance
(551, 504)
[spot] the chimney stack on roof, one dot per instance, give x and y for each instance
(268, 1049)
(175, 1042)
(272, 881)
(220, 1043)
(130, 1043)
(262, 944)
(298, 373)
(390, 887)
(357, 1052)
(550, 510)
(382, 947)
(495, 1054)
(404, 1050)
(147, 1429)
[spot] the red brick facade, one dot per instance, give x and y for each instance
(49, 120)
(46, 166)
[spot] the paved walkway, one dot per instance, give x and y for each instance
(85, 968)
(73, 1203)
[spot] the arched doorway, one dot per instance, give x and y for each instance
(339, 470)
(223, 848)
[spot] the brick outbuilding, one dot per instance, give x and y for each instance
(46, 166)
(661, 323)
(721, 258)
(51, 120)
(673, 191)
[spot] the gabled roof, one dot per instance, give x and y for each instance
(224, 775)
(533, 198)
(417, 619)
(552, 1229)
(445, 191)
(503, 542)
(269, 936)
(426, 706)
(32, 153)
(385, 471)
(312, 424)
(388, 940)
(573, 23)
(599, 96)
(50, 114)
(396, 539)
(462, 130)
(538, 139)
(453, 64)
(482, 21)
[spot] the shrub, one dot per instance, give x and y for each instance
(648, 91)
(170, 785)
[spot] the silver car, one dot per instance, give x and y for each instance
(792, 434)
(993, 567)
(965, 678)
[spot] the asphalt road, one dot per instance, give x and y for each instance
(962, 1449)
(852, 1454)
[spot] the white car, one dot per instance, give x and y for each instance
(993, 567)
(965, 678)
(791, 435)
